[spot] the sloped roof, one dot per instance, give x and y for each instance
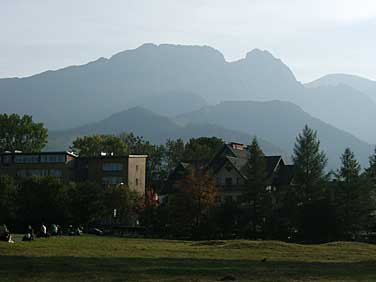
(240, 164)
(285, 175)
(272, 162)
(243, 154)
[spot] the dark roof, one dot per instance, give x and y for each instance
(113, 157)
(285, 175)
(239, 158)
(240, 164)
(39, 153)
(272, 163)
(243, 154)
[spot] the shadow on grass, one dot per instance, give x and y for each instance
(18, 268)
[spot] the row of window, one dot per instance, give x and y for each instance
(108, 180)
(112, 167)
(39, 172)
(228, 181)
(31, 159)
(112, 180)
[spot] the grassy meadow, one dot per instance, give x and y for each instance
(91, 258)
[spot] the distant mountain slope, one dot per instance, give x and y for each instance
(361, 84)
(344, 107)
(172, 79)
(152, 127)
(279, 122)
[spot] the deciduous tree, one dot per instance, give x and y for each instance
(193, 202)
(21, 133)
(89, 146)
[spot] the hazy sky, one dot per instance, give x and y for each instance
(313, 37)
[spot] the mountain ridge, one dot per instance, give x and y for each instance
(255, 118)
(152, 127)
(77, 95)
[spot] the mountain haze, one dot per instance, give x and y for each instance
(76, 95)
(174, 79)
(280, 122)
(361, 84)
(152, 127)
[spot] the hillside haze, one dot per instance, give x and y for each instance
(171, 80)
(76, 95)
(280, 123)
(364, 85)
(152, 127)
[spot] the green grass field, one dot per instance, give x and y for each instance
(91, 258)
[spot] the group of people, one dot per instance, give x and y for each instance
(55, 230)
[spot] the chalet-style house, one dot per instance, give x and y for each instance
(129, 170)
(228, 168)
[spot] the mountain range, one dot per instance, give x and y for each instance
(361, 84)
(176, 82)
(154, 128)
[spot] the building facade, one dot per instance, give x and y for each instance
(106, 170)
(228, 169)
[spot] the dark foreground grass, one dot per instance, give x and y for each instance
(90, 258)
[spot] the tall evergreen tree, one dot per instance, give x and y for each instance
(371, 170)
(350, 168)
(256, 194)
(353, 198)
(309, 163)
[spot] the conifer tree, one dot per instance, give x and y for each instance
(353, 199)
(350, 168)
(256, 194)
(371, 170)
(310, 163)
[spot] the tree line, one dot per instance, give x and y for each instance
(36, 200)
(318, 206)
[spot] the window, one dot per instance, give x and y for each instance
(112, 180)
(21, 173)
(7, 159)
(228, 181)
(52, 158)
(136, 167)
(39, 172)
(56, 172)
(136, 181)
(26, 159)
(112, 167)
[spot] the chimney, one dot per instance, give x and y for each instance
(237, 146)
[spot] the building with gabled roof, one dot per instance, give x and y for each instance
(229, 166)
